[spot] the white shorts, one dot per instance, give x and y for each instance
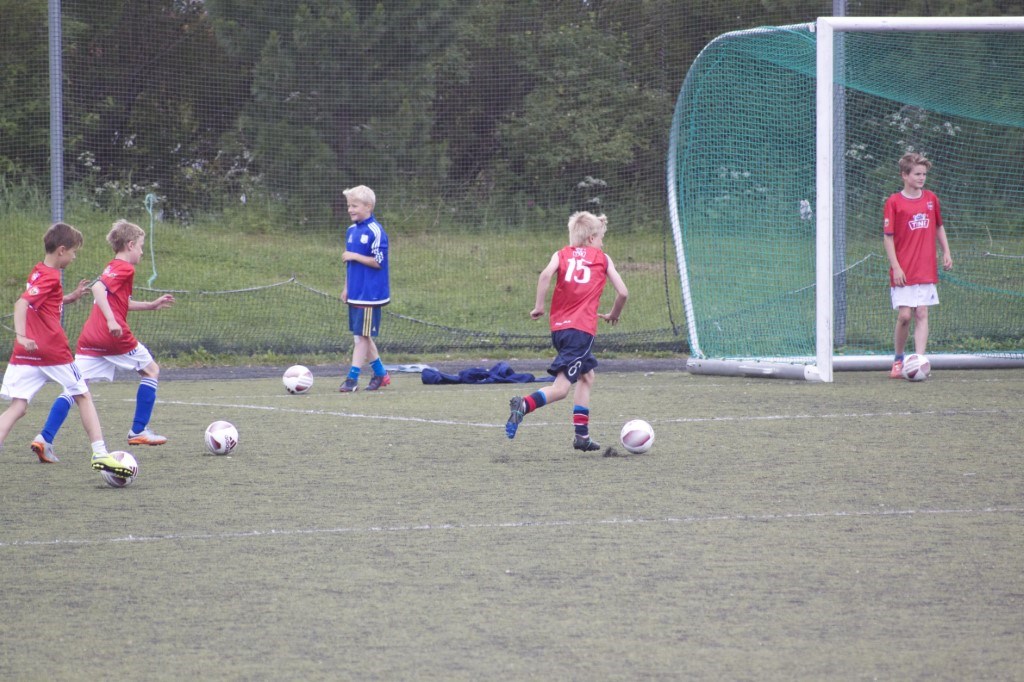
(914, 295)
(24, 381)
(101, 367)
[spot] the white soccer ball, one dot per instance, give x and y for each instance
(297, 379)
(221, 437)
(916, 367)
(128, 459)
(637, 436)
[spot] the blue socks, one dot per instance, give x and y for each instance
(58, 413)
(378, 368)
(145, 398)
(353, 373)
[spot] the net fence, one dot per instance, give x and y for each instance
(745, 130)
(228, 130)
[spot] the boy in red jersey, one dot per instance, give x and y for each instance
(582, 269)
(41, 349)
(913, 225)
(107, 343)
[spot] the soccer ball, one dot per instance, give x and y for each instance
(297, 379)
(637, 436)
(221, 437)
(916, 367)
(128, 459)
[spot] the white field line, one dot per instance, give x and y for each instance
(680, 420)
(512, 525)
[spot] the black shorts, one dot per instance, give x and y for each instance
(574, 354)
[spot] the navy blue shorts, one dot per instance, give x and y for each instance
(364, 320)
(574, 354)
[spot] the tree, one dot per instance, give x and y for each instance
(24, 90)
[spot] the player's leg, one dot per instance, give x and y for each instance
(101, 459)
(351, 383)
(360, 320)
(20, 384)
(145, 400)
(380, 375)
(920, 329)
(15, 411)
(581, 414)
(520, 406)
(900, 335)
(43, 443)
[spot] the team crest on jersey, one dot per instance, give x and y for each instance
(363, 239)
(918, 222)
(32, 291)
(579, 252)
(109, 272)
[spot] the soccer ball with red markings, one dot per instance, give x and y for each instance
(297, 379)
(916, 367)
(128, 459)
(221, 437)
(637, 436)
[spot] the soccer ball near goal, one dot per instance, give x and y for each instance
(297, 379)
(221, 437)
(127, 459)
(637, 436)
(916, 367)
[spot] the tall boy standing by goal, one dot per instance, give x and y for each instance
(367, 286)
(582, 268)
(913, 225)
(107, 343)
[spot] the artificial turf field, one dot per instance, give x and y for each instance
(867, 529)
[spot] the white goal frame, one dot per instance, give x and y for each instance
(822, 366)
(826, 27)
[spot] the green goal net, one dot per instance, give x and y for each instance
(742, 173)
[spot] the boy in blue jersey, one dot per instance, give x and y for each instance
(367, 288)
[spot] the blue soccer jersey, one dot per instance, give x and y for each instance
(366, 285)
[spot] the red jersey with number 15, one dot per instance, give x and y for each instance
(582, 271)
(96, 340)
(45, 297)
(913, 225)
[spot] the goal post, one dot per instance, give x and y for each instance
(751, 183)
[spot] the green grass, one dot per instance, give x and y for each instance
(866, 529)
(223, 271)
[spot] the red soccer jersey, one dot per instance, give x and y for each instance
(913, 224)
(118, 277)
(582, 271)
(45, 297)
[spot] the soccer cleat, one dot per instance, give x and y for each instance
(585, 443)
(147, 437)
(897, 370)
(350, 386)
(44, 451)
(379, 382)
(108, 463)
(515, 416)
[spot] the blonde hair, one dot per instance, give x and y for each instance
(62, 234)
(583, 225)
(122, 233)
(362, 194)
(911, 159)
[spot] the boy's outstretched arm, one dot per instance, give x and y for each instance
(77, 292)
(164, 301)
(621, 294)
(543, 284)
